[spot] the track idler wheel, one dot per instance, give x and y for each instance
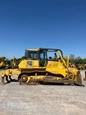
(23, 79)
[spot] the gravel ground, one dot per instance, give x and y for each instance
(42, 99)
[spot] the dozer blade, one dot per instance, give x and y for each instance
(79, 79)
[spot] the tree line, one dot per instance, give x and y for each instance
(77, 60)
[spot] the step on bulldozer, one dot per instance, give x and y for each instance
(38, 67)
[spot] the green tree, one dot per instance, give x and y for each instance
(72, 58)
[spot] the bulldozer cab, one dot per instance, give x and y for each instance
(41, 54)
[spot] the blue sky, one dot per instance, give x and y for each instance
(42, 23)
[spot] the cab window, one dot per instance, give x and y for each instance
(33, 55)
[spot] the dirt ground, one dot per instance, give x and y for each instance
(42, 99)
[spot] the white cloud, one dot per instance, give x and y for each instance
(8, 53)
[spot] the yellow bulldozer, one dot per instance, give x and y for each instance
(80, 66)
(12, 63)
(39, 67)
(72, 65)
(7, 64)
(2, 62)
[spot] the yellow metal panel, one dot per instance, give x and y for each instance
(56, 67)
(35, 63)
